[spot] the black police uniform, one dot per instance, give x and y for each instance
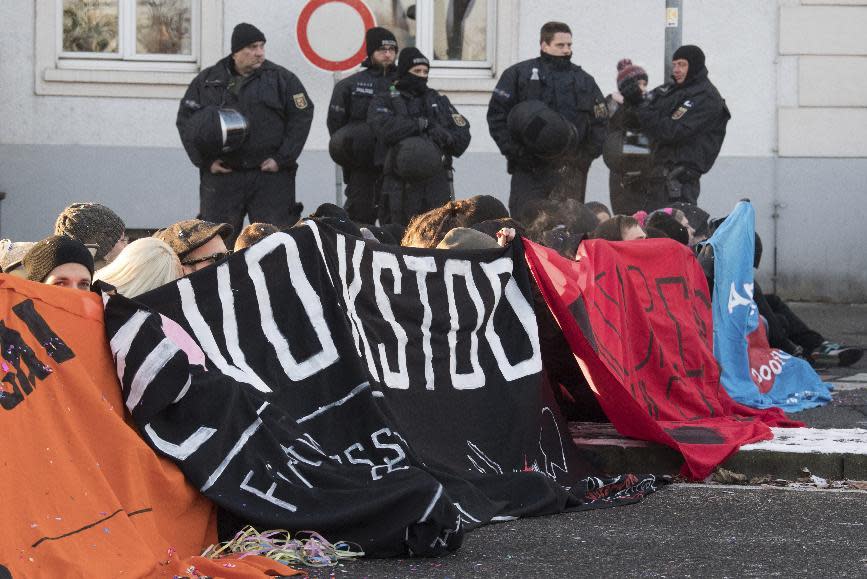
(628, 192)
(686, 125)
(402, 200)
(573, 93)
(279, 114)
(350, 102)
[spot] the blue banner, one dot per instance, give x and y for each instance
(752, 372)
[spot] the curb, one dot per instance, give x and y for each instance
(834, 454)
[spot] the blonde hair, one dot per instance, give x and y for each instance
(143, 265)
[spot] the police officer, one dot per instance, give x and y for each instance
(349, 103)
(418, 132)
(568, 90)
(686, 123)
(257, 178)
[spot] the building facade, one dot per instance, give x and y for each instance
(89, 90)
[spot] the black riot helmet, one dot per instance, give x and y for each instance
(543, 131)
(352, 146)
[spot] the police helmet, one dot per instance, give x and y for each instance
(543, 131)
(416, 159)
(217, 130)
(352, 146)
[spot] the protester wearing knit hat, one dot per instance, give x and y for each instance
(197, 243)
(348, 128)
(686, 122)
(93, 224)
(627, 181)
(61, 261)
(11, 254)
(418, 133)
(253, 178)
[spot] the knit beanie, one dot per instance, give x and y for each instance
(378, 37)
(669, 226)
(694, 56)
(91, 223)
(628, 71)
(52, 252)
(244, 35)
(410, 57)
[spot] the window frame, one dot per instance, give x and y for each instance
(425, 36)
(111, 75)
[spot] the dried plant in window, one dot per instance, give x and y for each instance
(90, 26)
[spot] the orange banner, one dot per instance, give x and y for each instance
(83, 495)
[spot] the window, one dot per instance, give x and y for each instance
(457, 35)
(120, 32)
(135, 48)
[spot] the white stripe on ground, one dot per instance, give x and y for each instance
(843, 386)
(814, 440)
(733, 488)
(862, 377)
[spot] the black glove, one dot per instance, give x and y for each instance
(422, 124)
(632, 93)
(441, 137)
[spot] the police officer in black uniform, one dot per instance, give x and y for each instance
(407, 120)
(349, 104)
(686, 123)
(258, 177)
(565, 88)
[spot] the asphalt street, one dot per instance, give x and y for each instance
(684, 530)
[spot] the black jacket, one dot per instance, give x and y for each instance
(352, 95)
(686, 124)
(566, 89)
(394, 117)
(278, 110)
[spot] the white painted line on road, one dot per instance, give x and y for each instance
(730, 488)
(862, 377)
(814, 440)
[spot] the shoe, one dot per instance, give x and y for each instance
(831, 353)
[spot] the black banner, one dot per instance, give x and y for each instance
(387, 396)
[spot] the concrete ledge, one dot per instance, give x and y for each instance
(833, 454)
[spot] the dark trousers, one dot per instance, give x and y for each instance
(785, 328)
(539, 183)
(662, 192)
(264, 197)
(627, 196)
(362, 194)
(401, 201)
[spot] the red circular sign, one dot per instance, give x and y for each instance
(304, 40)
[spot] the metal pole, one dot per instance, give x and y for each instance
(338, 170)
(673, 32)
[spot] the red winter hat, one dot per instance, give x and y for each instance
(628, 71)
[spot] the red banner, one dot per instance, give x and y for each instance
(637, 316)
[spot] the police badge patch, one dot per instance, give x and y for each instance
(459, 120)
(679, 113)
(300, 100)
(600, 111)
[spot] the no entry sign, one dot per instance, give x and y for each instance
(331, 33)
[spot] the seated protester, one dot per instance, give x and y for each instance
(599, 209)
(669, 226)
(481, 208)
(698, 220)
(61, 261)
(253, 233)
(619, 228)
(467, 239)
(428, 229)
(337, 218)
(786, 331)
(93, 224)
(418, 132)
(197, 243)
(11, 254)
(143, 265)
(492, 226)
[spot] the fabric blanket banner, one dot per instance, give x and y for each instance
(381, 395)
(754, 373)
(638, 318)
(83, 494)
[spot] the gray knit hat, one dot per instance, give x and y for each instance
(54, 251)
(91, 223)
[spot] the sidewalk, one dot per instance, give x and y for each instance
(833, 447)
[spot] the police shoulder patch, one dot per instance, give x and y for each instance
(300, 100)
(600, 111)
(459, 120)
(681, 110)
